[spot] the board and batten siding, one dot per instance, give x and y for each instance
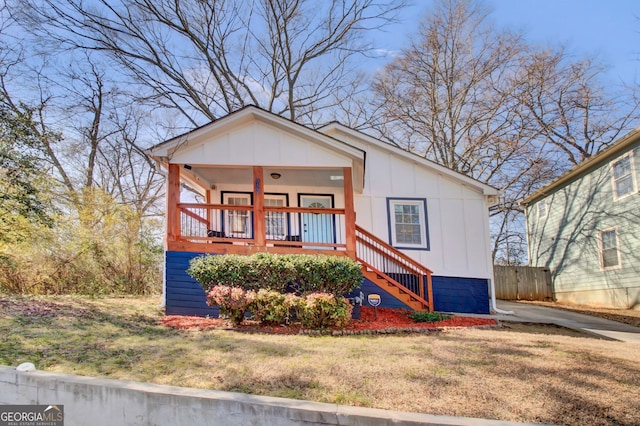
(457, 215)
(567, 239)
(258, 143)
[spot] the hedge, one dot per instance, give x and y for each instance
(300, 273)
(315, 310)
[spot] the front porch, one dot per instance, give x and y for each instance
(255, 215)
(252, 216)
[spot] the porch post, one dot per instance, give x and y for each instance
(208, 201)
(173, 199)
(349, 213)
(259, 228)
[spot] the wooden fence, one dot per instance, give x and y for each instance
(522, 283)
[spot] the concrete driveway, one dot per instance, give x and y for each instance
(524, 312)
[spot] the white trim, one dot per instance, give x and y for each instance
(412, 157)
(423, 223)
(246, 115)
(601, 249)
(634, 185)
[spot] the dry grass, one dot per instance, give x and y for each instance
(519, 373)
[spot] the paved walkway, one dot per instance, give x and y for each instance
(524, 312)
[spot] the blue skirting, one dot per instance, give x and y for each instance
(462, 295)
(184, 296)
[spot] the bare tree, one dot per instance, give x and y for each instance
(448, 96)
(570, 105)
(208, 58)
(124, 169)
(482, 102)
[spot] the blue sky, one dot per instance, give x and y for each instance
(606, 29)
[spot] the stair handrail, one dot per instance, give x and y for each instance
(415, 265)
(380, 274)
(390, 252)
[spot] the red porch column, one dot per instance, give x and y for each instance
(173, 199)
(349, 213)
(259, 228)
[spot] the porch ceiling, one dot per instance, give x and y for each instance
(207, 176)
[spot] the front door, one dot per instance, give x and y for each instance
(316, 227)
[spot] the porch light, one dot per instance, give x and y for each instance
(336, 177)
(276, 176)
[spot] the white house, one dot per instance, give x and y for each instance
(420, 230)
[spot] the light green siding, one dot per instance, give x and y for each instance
(567, 239)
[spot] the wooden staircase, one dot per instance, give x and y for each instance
(403, 277)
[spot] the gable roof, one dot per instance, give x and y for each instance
(246, 115)
(412, 157)
(163, 151)
(618, 147)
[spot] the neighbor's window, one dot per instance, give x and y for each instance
(408, 223)
(609, 248)
(622, 171)
(542, 209)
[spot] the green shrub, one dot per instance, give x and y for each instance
(272, 271)
(233, 301)
(418, 316)
(108, 249)
(323, 310)
(316, 310)
(229, 270)
(337, 275)
(270, 307)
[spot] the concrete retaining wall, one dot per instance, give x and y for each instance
(113, 402)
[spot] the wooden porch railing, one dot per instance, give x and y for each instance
(294, 227)
(386, 261)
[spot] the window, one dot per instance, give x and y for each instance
(623, 180)
(542, 209)
(276, 222)
(609, 248)
(237, 223)
(408, 223)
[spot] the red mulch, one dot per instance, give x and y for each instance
(389, 320)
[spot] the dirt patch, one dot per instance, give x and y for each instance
(30, 308)
(39, 308)
(385, 320)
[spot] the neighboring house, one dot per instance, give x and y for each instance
(585, 227)
(420, 230)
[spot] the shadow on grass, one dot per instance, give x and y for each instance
(576, 387)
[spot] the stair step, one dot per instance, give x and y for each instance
(395, 289)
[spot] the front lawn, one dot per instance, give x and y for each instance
(520, 373)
